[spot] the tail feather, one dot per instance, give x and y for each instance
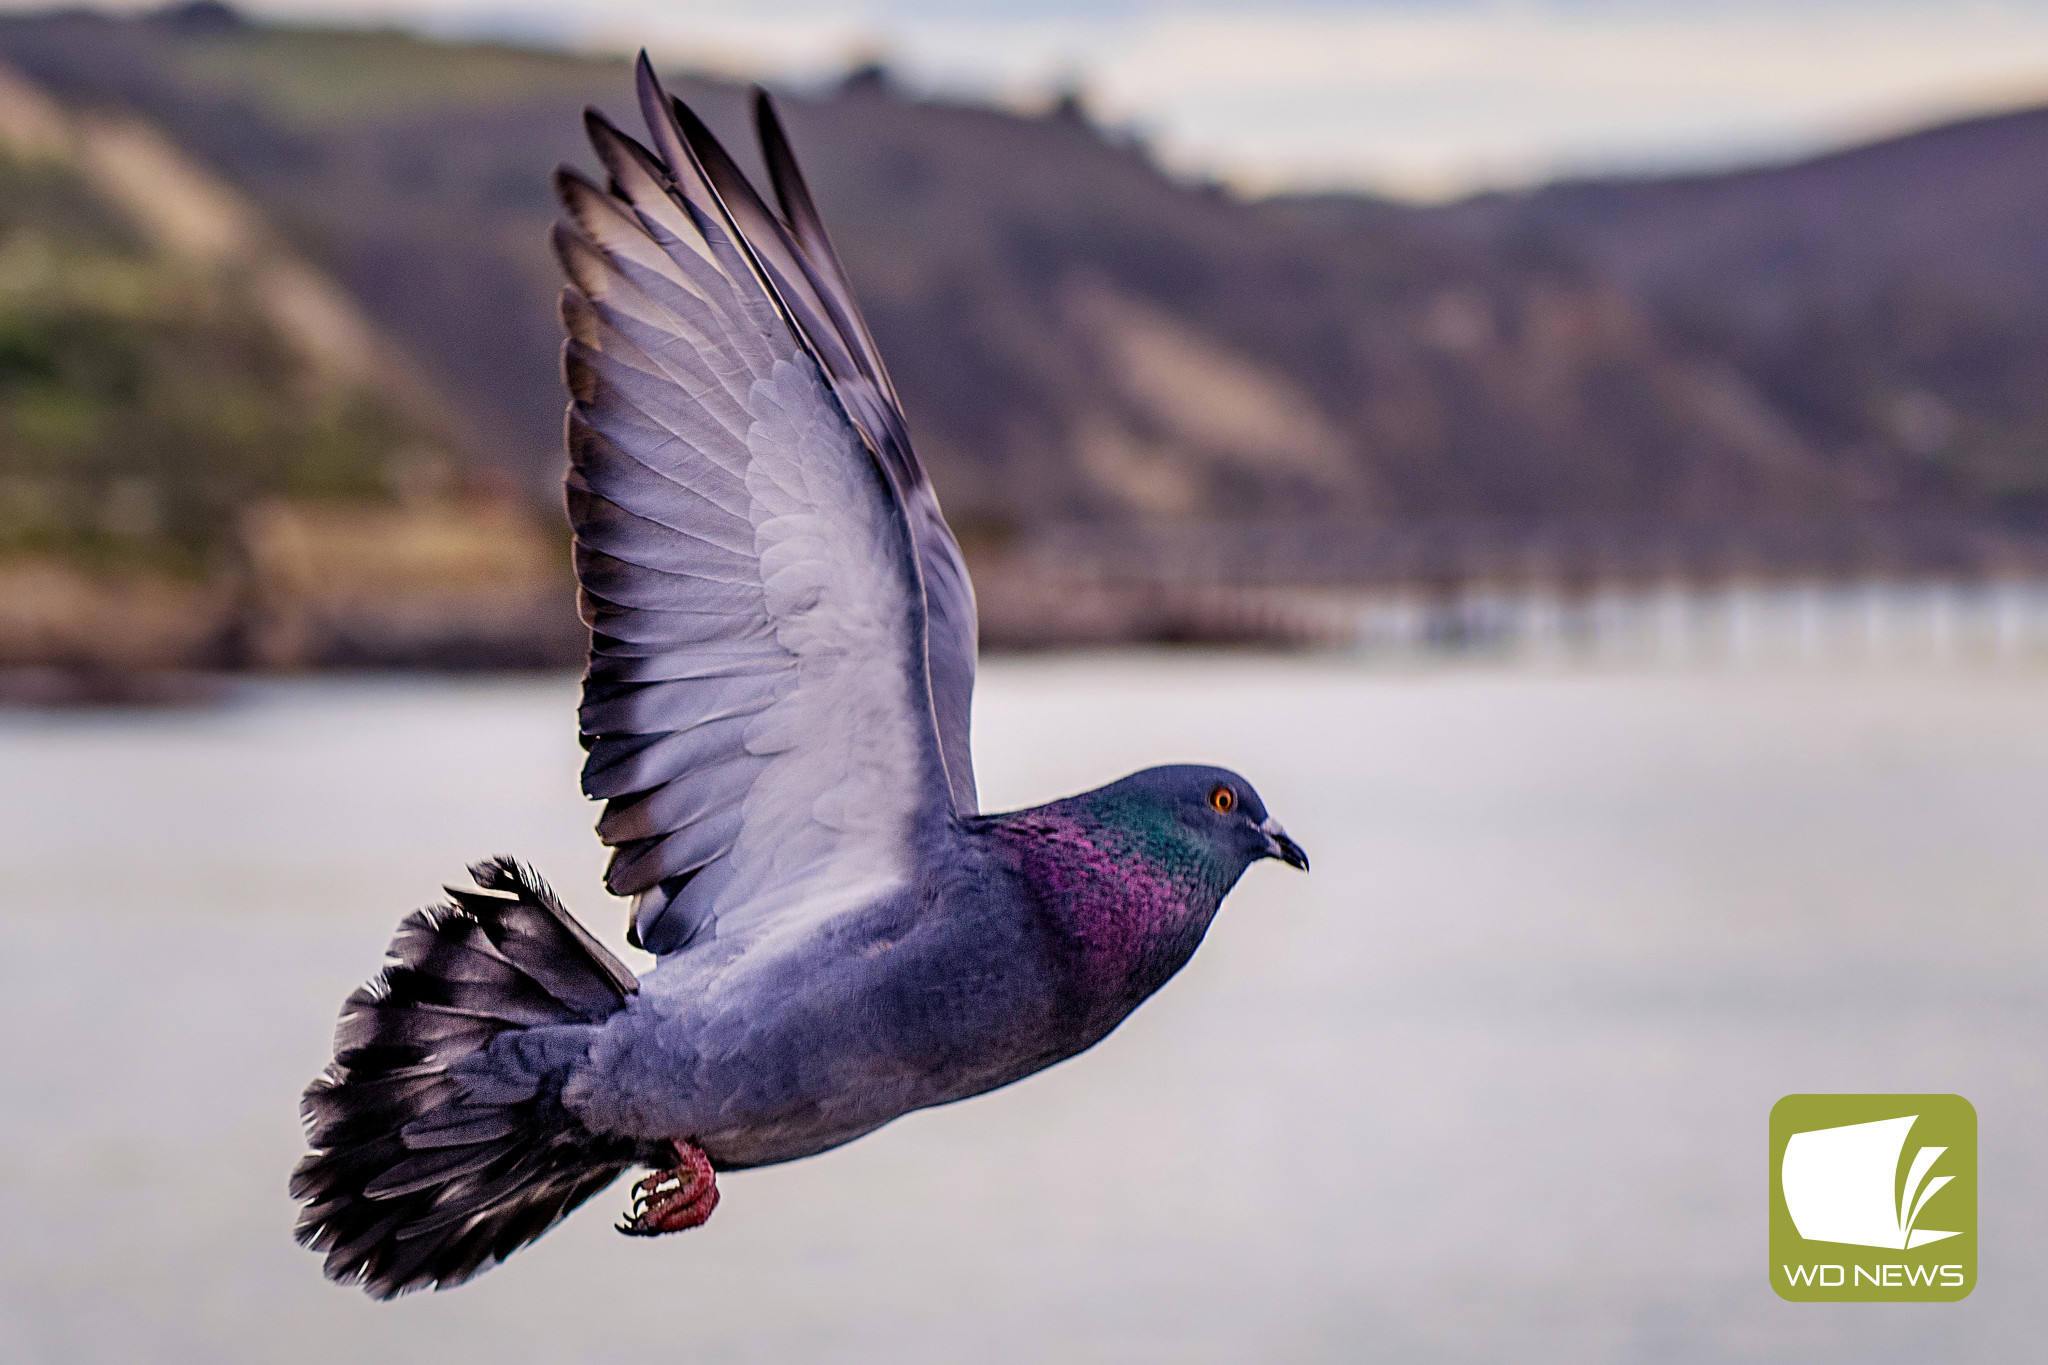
(426, 1165)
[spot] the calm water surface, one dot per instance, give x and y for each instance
(1490, 1085)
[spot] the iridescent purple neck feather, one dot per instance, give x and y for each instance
(1127, 892)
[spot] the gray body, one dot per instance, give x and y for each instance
(948, 988)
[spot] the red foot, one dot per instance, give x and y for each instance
(674, 1200)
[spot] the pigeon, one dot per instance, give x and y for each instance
(776, 710)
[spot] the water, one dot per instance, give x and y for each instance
(1490, 1084)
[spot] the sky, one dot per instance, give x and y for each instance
(1420, 98)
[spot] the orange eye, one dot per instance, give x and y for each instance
(1223, 799)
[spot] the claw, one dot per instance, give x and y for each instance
(673, 1200)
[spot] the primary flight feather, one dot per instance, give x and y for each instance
(776, 712)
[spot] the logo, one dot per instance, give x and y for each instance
(1873, 1198)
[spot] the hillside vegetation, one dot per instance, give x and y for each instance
(207, 456)
(142, 405)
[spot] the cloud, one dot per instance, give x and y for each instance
(1409, 95)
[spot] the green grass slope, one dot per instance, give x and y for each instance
(142, 406)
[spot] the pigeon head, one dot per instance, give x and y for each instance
(1213, 808)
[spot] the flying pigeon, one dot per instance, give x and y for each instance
(776, 714)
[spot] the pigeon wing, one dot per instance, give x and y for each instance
(951, 622)
(758, 709)
(797, 262)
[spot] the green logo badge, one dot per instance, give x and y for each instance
(1873, 1198)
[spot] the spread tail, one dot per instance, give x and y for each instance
(436, 1154)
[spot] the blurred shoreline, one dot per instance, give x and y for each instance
(1809, 624)
(480, 583)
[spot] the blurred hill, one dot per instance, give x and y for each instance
(1075, 333)
(1087, 346)
(208, 456)
(1890, 302)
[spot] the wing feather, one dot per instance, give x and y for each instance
(951, 625)
(754, 567)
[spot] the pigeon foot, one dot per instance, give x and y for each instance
(676, 1199)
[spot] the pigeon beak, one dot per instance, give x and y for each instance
(1278, 845)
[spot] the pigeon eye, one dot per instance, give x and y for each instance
(1223, 799)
